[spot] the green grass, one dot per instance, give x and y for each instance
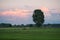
(29, 33)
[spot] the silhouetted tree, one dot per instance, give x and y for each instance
(38, 17)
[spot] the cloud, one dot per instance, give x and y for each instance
(57, 10)
(45, 11)
(16, 16)
(16, 12)
(51, 15)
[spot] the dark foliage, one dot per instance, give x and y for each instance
(38, 17)
(5, 25)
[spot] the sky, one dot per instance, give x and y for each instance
(21, 11)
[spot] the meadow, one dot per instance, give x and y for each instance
(32, 33)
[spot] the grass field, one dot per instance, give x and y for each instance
(29, 33)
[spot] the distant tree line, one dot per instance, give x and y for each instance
(52, 25)
(27, 25)
(10, 25)
(5, 25)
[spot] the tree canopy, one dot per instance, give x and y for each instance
(38, 17)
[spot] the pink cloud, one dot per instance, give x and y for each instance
(16, 12)
(55, 11)
(46, 11)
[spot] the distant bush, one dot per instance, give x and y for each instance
(5, 25)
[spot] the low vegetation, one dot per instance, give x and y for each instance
(29, 33)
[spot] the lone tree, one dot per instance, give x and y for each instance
(38, 17)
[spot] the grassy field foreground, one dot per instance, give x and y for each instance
(29, 33)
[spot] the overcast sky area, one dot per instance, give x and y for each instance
(20, 11)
